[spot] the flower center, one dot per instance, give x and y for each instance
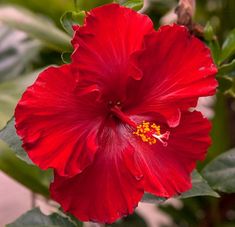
(150, 133)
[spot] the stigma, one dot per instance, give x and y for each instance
(151, 133)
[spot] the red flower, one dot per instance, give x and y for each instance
(115, 122)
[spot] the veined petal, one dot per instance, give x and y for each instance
(177, 69)
(57, 123)
(104, 44)
(108, 189)
(167, 169)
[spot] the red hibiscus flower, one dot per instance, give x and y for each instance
(115, 122)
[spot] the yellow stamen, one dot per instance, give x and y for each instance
(150, 133)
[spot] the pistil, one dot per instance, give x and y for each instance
(149, 132)
(117, 111)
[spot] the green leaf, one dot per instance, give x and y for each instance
(36, 218)
(213, 43)
(215, 50)
(134, 4)
(227, 69)
(52, 9)
(9, 136)
(66, 57)
(71, 18)
(133, 220)
(149, 198)
(220, 172)
(35, 26)
(28, 175)
(88, 5)
(17, 51)
(74, 220)
(209, 32)
(200, 188)
(228, 47)
(10, 92)
(231, 91)
(225, 83)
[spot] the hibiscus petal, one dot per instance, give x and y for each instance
(104, 44)
(108, 189)
(57, 123)
(177, 69)
(167, 170)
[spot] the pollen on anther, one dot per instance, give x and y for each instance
(151, 133)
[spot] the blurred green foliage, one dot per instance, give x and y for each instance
(36, 218)
(52, 9)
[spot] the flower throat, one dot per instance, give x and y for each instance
(148, 132)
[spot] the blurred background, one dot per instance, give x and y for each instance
(33, 37)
